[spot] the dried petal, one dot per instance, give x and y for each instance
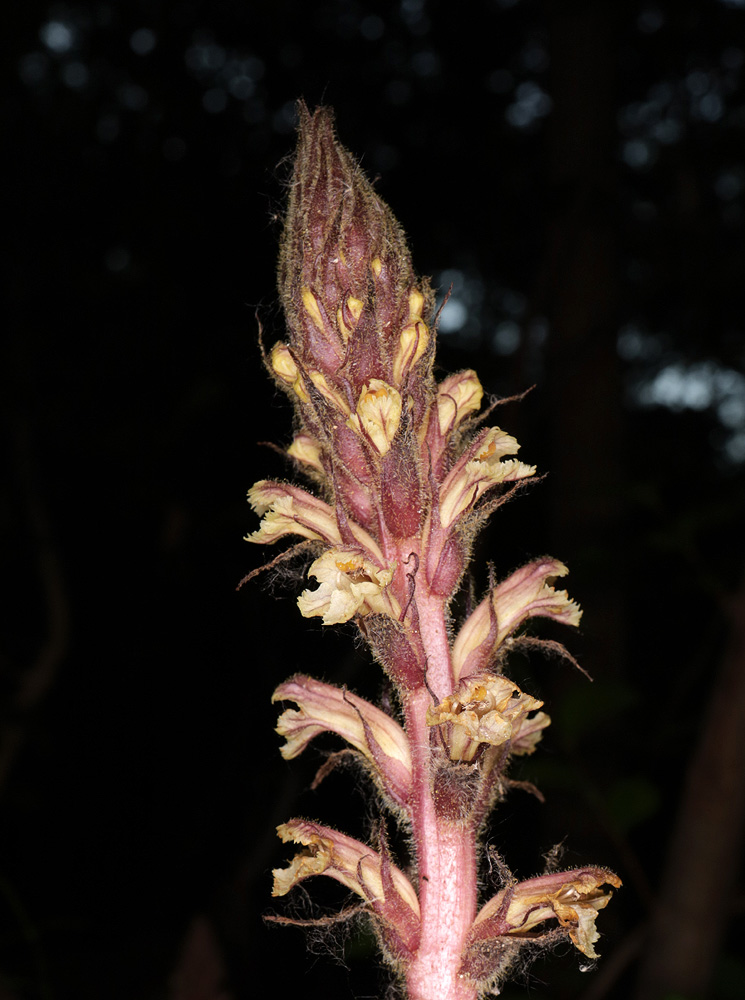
(484, 709)
(370, 874)
(573, 898)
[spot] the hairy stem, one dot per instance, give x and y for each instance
(445, 850)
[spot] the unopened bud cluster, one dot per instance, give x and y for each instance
(404, 476)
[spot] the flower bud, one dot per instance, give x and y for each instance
(306, 450)
(341, 248)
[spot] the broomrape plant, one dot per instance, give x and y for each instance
(403, 479)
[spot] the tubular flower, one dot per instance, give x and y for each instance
(378, 414)
(572, 898)
(306, 450)
(324, 708)
(457, 396)
(349, 585)
(478, 470)
(413, 341)
(487, 709)
(288, 510)
(370, 874)
(527, 593)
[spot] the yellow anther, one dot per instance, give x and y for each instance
(347, 567)
(377, 266)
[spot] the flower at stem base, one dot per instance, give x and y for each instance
(368, 873)
(572, 898)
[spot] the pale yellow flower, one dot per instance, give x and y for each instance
(289, 510)
(349, 585)
(347, 860)
(486, 709)
(350, 862)
(378, 414)
(527, 593)
(325, 708)
(573, 898)
(457, 396)
(478, 470)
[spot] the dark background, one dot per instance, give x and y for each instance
(575, 170)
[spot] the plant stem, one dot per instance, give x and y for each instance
(445, 850)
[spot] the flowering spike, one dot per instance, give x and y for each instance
(405, 477)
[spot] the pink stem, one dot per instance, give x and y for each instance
(445, 850)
